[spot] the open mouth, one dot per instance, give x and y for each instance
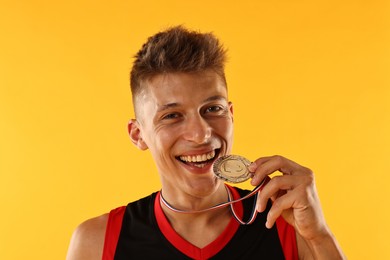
(199, 160)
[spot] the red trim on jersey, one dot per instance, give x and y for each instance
(186, 247)
(287, 239)
(113, 229)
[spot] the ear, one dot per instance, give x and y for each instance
(135, 135)
(231, 109)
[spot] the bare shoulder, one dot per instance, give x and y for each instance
(88, 239)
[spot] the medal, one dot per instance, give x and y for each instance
(232, 168)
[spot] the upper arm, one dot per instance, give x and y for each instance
(88, 239)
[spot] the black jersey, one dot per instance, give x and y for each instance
(140, 230)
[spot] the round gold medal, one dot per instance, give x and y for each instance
(232, 168)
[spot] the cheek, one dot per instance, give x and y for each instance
(224, 128)
(161, 141)
(229, 124)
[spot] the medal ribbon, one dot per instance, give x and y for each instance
(230, 203)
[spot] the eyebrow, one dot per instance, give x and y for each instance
(214, 98)
(167, 106)
(175, 104)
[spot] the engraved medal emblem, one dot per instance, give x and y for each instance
(232, 168)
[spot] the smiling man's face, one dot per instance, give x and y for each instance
(186, 121)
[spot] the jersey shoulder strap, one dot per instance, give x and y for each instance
(113, 229)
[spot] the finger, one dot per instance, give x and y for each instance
(268, 165)
(277, 186)
(281, 204)
(260, 168)
(261, 202)
(253, 166)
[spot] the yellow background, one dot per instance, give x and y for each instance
(309, 80)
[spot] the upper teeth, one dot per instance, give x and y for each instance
(198, 158)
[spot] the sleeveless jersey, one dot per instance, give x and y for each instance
(140, 230)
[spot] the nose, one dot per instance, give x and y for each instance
(197, 129)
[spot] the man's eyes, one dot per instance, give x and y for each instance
(171, 116)
(214, 109)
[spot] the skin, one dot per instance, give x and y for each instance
(188, 114)
(295, 198)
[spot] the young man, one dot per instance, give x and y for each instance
(184, 118)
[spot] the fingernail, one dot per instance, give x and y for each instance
(254, 181)
(258, 208)
(268, 225)
(252, 167)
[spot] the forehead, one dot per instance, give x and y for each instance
(181, 87)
